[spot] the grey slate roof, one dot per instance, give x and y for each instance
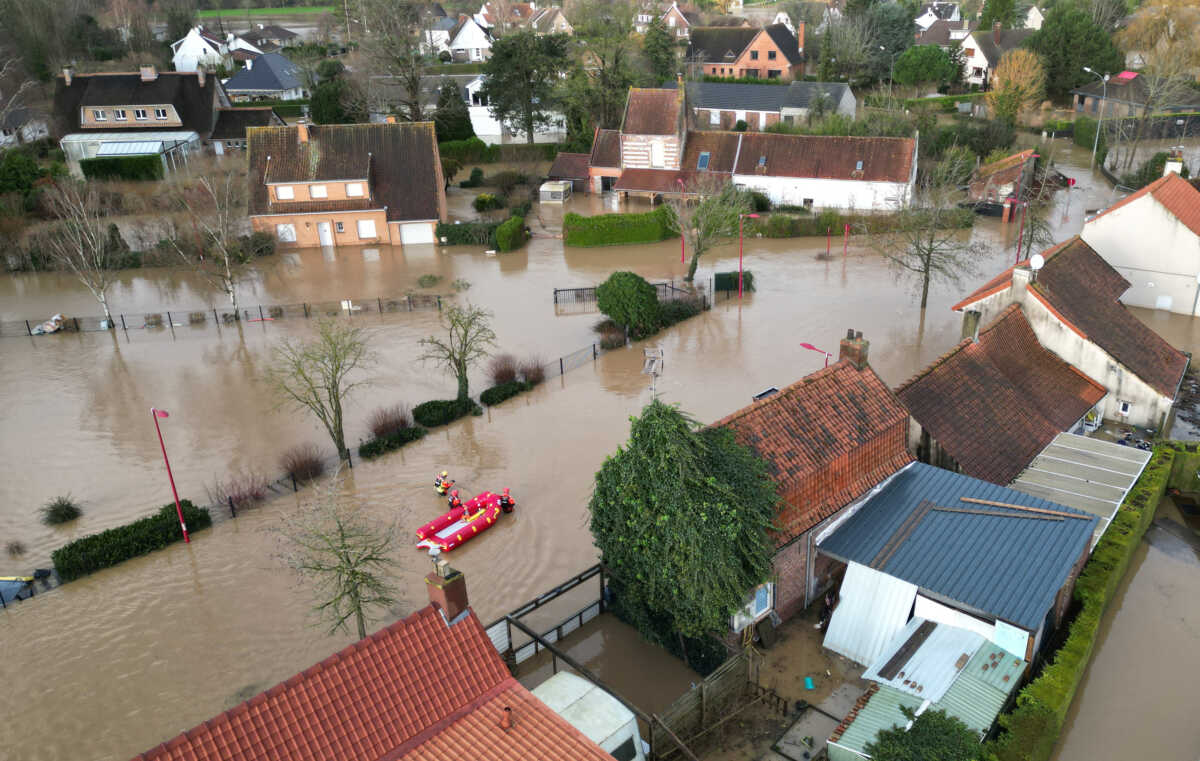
(985, 559)
(992, 49)
(787, 42)
(741, 97)
(269, 72)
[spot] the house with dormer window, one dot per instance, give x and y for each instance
(346, 184)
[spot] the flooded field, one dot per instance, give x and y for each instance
(127, 657)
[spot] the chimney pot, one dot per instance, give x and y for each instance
(148, 72)
(68, 75)
(302, 131)
(850, 333)
(506, 722)
(853, 348)
(996, 32)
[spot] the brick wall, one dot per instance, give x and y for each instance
(729, 119)
(763, 66)
(790, 568)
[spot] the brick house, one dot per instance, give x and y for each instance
(772, 52)
(721, 105)
(604, 164)
(346, 184)
(679, 21)
(827, 439)
(653, 129)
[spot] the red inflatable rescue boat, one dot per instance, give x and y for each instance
(461, 524)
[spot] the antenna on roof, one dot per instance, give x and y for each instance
(1036, 262)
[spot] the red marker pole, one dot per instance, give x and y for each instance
(156, 414)
(846, 241)
(682, 239)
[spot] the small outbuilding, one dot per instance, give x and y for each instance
(554, 191)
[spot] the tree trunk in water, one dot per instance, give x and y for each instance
(463, 391)
(691, 273)
(925, 291)
(107, 314)
(683, 649)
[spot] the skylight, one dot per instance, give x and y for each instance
(703, 162)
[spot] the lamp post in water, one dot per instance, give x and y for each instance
(740, 218)
(1103, 102)
(156, 414)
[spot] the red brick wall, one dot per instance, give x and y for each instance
(790, 568)
(729, 119)
(748, 66)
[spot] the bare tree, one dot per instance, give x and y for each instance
(348, 558)
(1018, 83)
(80, 242)
(394, 48)
(469, 335)
(317, 375)
(1036, 232)
(14, 89)
(923, 242)
(706, 212)
(215, 208)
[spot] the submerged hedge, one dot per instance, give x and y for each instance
(437, 412)
(728, 281)
(116, 545)
(510, 235)
(833, 222)
(384, 444)
(618, 229)
(1032, 728)
(122, 168)
(502, 391)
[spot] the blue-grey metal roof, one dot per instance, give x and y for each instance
(267, 72)
(1002, 562)
(932, 666)
(728, 96)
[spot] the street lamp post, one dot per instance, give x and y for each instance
(156, 414)
(891, 69)
(1103, 104)
(740, 218)
(682, 238)
(810, 347)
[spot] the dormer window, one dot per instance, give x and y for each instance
(160, 114)
(858, 166)
(119, 115)
(285, 192)
(354, 190)
(139, 114)
(762, 162)
(318, 191)
(99, 115)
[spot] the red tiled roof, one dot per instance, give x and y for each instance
(652, 112)
(1004, 279)
(1176, 194)
(884, 159)
(606, 149)
(569, 166)
(993, 404)
(416, 689)
(826, 439)
(721, 148)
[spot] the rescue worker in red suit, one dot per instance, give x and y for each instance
(453, 499)
(506, 502)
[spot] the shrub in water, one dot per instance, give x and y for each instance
(502, 369)
(386, 421)
(614, 229)
(533, 370)
(392, 441)
(116, 545)
(759, 201)
(428, 281)
(522, 209)
(437, 412)
(303, 462)
(475, 180)
(468, 233)
(244, 488)
(506, 181)
(612, 339)
(671, 312)
(16, 548)
(630, 301)
(502, 391)
(60, 510)
(487, 202)
(510, 235)
(728, 281)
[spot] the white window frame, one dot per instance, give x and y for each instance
(658, 154)
(760, 601)
(99, 115)
(360, 228)
(714, 118)
(340, 226)
(354, 190)
(160, 114)
(139, 114)
(285, 233)
(318, 192)
(120, 115)
(1124, 407)
(285, 192)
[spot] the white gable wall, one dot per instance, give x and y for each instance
(472, 43)
(976, 68)
(827, 194)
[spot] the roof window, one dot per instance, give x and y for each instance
(702, 164)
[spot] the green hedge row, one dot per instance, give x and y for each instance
(499, 393)
(795, 226)
(510, 235)
(468, 233)
(619, 229)
(728, 281)
(1032, 728)
(437, 412)
(677, 310)
(474, 150)
(383, 444)
(123, 168)
(945, 103)
(116, 545)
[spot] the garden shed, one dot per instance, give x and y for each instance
(554, 191)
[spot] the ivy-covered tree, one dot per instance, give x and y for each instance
(658, 47)
(1069, 40)
(628, 300)
(681, 517)
(933, 736)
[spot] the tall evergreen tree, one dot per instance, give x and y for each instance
(1069, 40)
(659, 49)
(1003, 11)
(452, 119)
(521, 78)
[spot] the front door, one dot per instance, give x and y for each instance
(325, 233)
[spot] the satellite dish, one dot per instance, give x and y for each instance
(1036, 262)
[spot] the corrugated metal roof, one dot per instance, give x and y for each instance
(983, 687)
(928, 670)
(873, 607)
(881, 712)
(1002, 562)
(130, 148)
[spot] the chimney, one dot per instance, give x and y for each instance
(800, 35)
(68, 74)
(996, 32)
(148, 72)
(302, 131)
(200, 74)
(1021, 277)
(854, 349)
(970, 326)
(506, 721)
(447, 588)
(1174, 161)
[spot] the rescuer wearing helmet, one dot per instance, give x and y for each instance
(443, 483)
(506, 502)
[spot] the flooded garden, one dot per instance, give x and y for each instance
(122, 659)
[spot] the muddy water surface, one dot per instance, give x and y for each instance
(124, 659)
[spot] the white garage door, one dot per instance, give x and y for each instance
(416, 232)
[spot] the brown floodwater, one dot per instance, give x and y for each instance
(127, 657)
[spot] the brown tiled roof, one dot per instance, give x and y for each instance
(938, 33)
(651, 180)
(651, 112)
(606, 149)
(826, 439)
(1173, 192)
(400, 162)
(995, 403)
(417, 689)
(720, 146)
(884, 159)
(569, 166)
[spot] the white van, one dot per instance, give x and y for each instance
(595, 713)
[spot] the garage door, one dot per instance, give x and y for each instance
(416, 232)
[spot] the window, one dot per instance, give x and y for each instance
(774, 73)
(285, 233)
(714, 118)
(758, 604)
(285, 192)
(671, 21)
(160, 114)
(858, 166)
(366, 229)
(341, 226)
(98, 115)
(969, 52)
(318, 191)
(762, 162)
(139, 114)
(771, 55)
(658, 153)
(1124, 408)
(808, 203)
(626, 751)
(119, 114)
(753, 55)
(702, 163)
(354, 190)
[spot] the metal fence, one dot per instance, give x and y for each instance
(583, 300)
(170, 319)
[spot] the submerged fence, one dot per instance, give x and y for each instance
(169, 319)
(583, 299)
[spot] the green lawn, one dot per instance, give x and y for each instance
(301, 10)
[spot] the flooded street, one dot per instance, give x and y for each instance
(125, 658)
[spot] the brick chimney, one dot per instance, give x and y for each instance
(302, 131)
(800, 35)
(447, 589)
(853, 348)
(68, 74)
(996, 32)
(148, 72)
